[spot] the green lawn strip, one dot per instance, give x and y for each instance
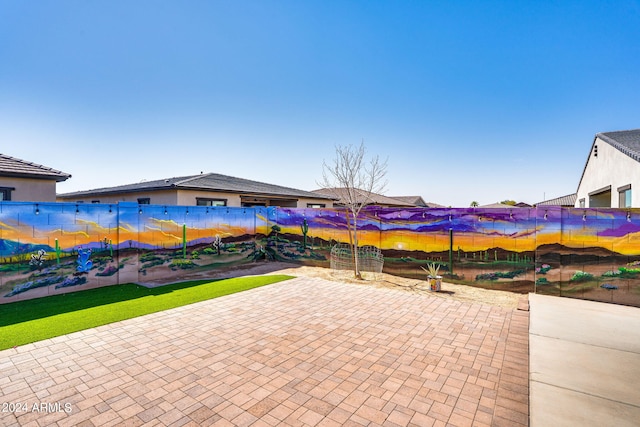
(25, 322)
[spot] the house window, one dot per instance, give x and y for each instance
(600, 198)
(144, 201)
(582, 204)
(624, 196)
(5, 193)
(316, 205)
(210, 202)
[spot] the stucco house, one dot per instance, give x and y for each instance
(23, 181)
(611, 175)
(205, 189)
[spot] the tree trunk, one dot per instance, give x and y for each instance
(356, 266)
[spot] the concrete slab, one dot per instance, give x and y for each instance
(589, 322)
(584, 363)
(558, 407)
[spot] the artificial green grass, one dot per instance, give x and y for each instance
(24, 322)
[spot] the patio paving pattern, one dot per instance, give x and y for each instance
(303, 352)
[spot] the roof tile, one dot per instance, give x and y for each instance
(11, 166)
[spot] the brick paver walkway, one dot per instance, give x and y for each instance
(305, 352)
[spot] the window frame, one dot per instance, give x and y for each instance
(624, 196)
(210, 202)
(6, 193)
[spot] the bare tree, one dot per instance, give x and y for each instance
(353, 180)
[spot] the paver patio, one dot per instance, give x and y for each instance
(304, 352)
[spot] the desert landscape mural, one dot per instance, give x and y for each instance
(49, 248)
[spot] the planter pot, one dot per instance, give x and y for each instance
(435, 283)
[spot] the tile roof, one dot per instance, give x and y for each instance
(568, 200)
(627, 141)
(208, 181)
(414, 200)
(11, 166)
(361, 197)
(500, 205)
(418, 201)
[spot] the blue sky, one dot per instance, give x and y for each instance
(468, 100)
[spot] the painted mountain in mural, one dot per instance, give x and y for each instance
(561, 254)
(12, 248)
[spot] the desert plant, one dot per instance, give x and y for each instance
(581, 276)
(543, 269)
(500, 275)
(261, 252)
(217, 243)
(304, 227)
(181, 263)
(432, 269)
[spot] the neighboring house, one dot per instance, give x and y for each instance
(503, 205)
(611, 175)
(22, 181)
(568, 201)
(339, 194)
(210, 189)
(417, 201)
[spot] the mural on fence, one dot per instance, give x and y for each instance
(592, 254)
(50, 248)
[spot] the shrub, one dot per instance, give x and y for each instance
(109, 271)
(149, 256)
(581, 276)
(152, 264)
(181, 263)
(543, 269)
(24, 287)
(542, 281)
(500, 275)
(629, 272)
(72, 281)
(611, 273)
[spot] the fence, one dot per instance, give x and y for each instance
(49, 248)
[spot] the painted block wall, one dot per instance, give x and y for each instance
(50, 248)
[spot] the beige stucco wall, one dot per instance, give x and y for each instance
(302, 203)
(30, 190)
(157, 198)
(613, 168)
(188, 197)
(180, 198)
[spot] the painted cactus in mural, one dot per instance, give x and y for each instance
(304, 227)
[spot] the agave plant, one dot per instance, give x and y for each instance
(432, 269)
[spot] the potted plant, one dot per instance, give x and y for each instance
(435, 280)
